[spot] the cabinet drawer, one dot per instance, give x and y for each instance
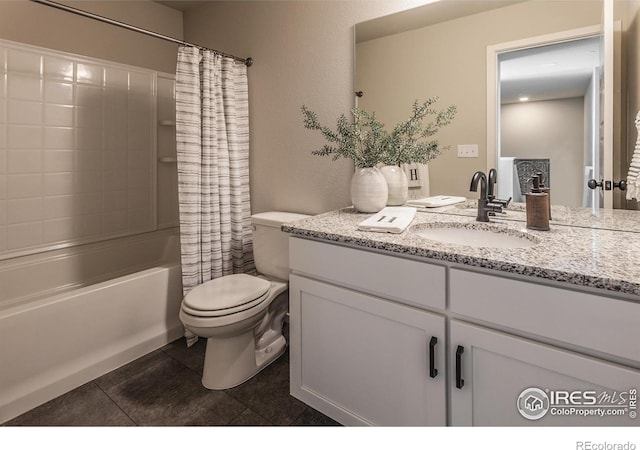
(410, 282)
(591, 321)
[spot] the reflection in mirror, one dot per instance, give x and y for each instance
(549, 119)
(447, 58)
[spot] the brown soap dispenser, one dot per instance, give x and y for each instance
(537, 207)
(546, 190)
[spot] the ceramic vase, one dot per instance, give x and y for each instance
(397, 184)
(369, 191)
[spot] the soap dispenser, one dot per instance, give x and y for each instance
(545, 189)
(537, 207)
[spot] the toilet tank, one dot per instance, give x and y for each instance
(270, 244)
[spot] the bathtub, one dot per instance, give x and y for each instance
(71, 315)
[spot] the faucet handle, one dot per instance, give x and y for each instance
(503, 203)
(495, 207)
(491, 209)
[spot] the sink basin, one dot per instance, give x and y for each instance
(475, 235)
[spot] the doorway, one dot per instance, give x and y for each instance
(544, 114)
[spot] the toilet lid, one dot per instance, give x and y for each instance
(226, 294)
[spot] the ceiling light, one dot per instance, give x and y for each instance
(524, 99)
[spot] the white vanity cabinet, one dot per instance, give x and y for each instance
(360, 358)
(494, 370)
(497, 367)
(368, 331)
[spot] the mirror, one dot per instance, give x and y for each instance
(440, 49)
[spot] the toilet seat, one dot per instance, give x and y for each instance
(226, 295)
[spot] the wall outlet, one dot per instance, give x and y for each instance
(467, 151)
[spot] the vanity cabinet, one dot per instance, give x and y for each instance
(364, 360)
(360, 358)
(490, 374)
(369, 331)
(496, 366)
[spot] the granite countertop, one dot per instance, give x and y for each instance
(581, 255)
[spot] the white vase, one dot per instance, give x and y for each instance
(397, 184)
(369, 191)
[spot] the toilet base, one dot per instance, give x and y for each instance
(269, 354)
(244, 366)
(240, 345)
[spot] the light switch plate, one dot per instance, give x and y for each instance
(467, 151)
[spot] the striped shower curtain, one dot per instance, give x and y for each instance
(212, 135)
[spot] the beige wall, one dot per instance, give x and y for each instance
(303, 53)
(449, 60)
(35, 24)
(550, 129)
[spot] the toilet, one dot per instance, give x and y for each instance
(242, 315)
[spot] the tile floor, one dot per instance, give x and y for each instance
(163, 388)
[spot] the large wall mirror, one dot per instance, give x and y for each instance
(443, 49)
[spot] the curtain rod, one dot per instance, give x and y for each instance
(247, 61)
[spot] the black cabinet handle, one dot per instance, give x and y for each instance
(459, 380)
(433, 372)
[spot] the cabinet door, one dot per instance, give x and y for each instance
(494, 376)
(363, 360)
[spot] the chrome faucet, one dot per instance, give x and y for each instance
(493, 178)
(484, 205)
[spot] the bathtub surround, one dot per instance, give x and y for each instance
(77, 136)
(74, 35)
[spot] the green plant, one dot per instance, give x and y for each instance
(409, 141)
(361, 140)
(367, 143)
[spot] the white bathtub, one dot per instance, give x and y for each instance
(69, 316)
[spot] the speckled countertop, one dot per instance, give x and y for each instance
(581, 255)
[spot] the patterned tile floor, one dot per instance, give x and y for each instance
(163, 388)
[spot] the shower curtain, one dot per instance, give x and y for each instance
(212, 137)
